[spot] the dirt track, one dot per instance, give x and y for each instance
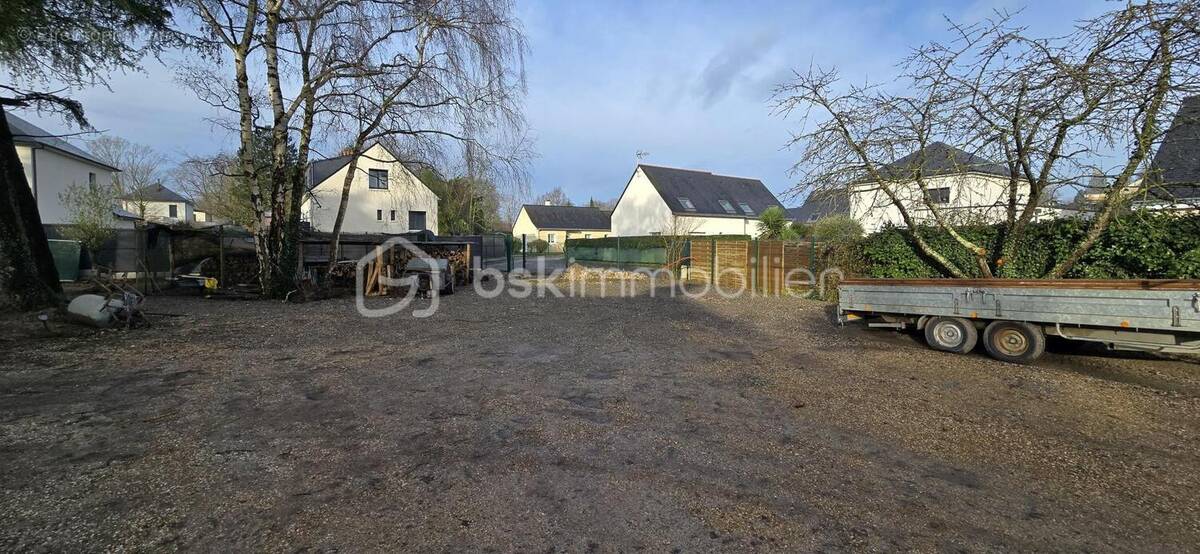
(581, 424)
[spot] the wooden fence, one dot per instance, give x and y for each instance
(765, 266)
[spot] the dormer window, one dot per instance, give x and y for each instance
(727, 206)
(745, 208)
(687, 203)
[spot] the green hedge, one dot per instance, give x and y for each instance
(1138, 245)
(650, 241)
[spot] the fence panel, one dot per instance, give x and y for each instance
(766, 266)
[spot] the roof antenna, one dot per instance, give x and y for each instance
(641, 155)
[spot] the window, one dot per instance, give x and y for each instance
(550, 238)
(587, 235)
(173, 211)
(687, 203)
(377, 178)
(940, 195)
(393, 215)
(416, 221)
(727, 206)
(378, 215)
(745, 208)
(92, 181)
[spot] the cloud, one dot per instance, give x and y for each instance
(731, 63)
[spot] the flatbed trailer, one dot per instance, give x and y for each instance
(1013, 317)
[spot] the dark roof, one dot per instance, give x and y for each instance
(940, 158)
(819, 204)
(320, 170)
(156, 193)
(28, 133)
(1177, 162)
(583, 218)
(705, 190)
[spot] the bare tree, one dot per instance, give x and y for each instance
(556, 197)
(453, 77)
(140, 165)
(1047, 109)
(378, 70)
(675, 234)
(212, 183)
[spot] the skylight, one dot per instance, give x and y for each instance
(745, 208)
(728, 207)
(687, 204)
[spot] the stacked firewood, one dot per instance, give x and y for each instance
(391, 264)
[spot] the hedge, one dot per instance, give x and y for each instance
(650, 241)
(1139, 245)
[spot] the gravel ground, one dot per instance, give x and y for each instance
(580, 424)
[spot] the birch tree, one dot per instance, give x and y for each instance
(452, 77)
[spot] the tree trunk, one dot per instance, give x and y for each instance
(282, 277)
(289, 254)
(335, 241)
(28, 278)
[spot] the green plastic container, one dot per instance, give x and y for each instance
(66, 258)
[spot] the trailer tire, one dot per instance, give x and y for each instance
(1014, 341)
(951, 334)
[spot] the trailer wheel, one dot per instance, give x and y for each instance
(951, 334)
(1014, 341)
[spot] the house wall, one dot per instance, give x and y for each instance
(641, 211)
(160, 211)
(974, 198)
(54, 174)
(525, 226)
(695, 225)
(404, 193)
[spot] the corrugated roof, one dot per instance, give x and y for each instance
(25, 132)
(705, 191)
(1177, 162)
(582, 218)
(156, 193)
(940, 158)
(819, 204)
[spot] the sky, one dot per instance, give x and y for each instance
(688, 82)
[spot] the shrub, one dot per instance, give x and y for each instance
(774, 225)
(1138, 245)
(538, 246)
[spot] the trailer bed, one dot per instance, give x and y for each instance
(1141, 314)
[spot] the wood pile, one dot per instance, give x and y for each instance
(390, 263)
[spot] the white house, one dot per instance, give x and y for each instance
(385, 197)
(160, 204)
(52, 165)
(556, 224)
(669, 200)
(964, 187)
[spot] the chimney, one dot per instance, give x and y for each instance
(547, 202)
(348, 151)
